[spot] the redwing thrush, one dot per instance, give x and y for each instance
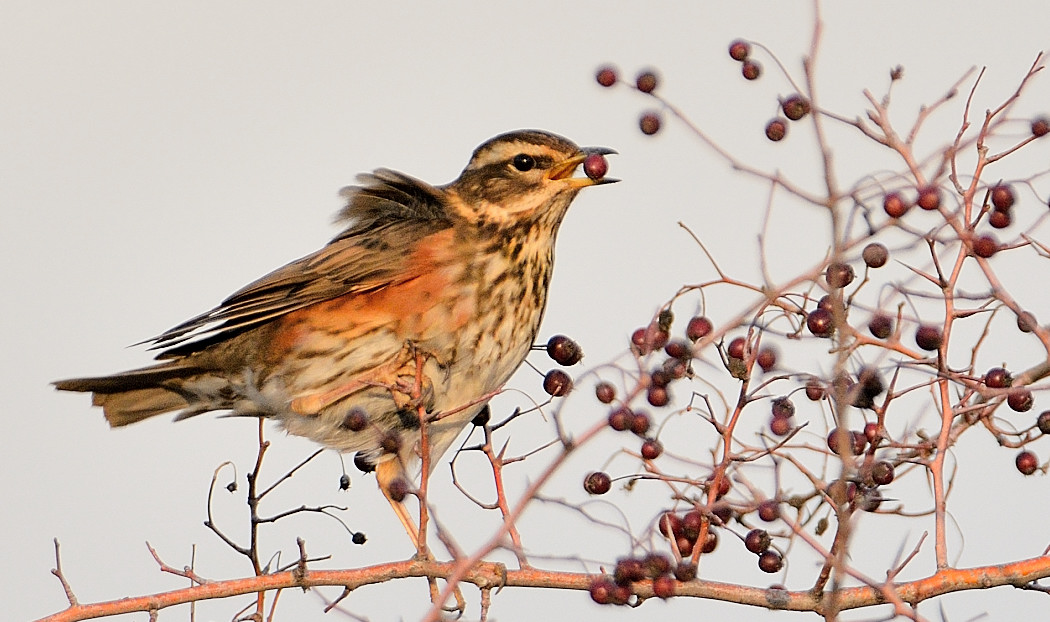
(447, 280)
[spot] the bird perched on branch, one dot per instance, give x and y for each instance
(400, 328)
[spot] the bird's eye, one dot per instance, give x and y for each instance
(524, 162)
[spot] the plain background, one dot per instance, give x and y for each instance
(156, 157)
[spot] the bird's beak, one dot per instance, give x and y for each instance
(562, 171)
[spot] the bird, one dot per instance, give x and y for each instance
(400, 328)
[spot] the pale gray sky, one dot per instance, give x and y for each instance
(156, 157)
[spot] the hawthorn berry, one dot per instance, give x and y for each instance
(815, 390)
(929, 337)
(1043, 422)
(1000, 220)
(985, 246)
(929, 198)
(640, 423)
(757, 541)
(605, 392)
(776, 130)
(1040, 127)
(597, 483)
(606, 76)
(686, 571)
(875, 255)
(769, 510)
(621, 419)
(839, 275)
(997, 378)
(895, 205)
(646, 81)
(868, 499)
(628, 570)
(656, 565)
(767, 359)
(651, 449)
(1026, 462)
(780, 426)
(770, 561)
(820, 323)
(595, 166)
(1020, 399)
(739, 50)
(557, 383)
(782, 408)
(658, 396)
(882, 473)
(751, 70)
(663, 587)
(698, 328)
(1002, 197)
(795, 107)
(564, 350)
(711, 542)
(737, 348)
(1026, 322)
(649, 123)
(880, 325)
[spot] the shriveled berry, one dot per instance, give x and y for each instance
(1026, 322)
(757, 541)
(557, 383)
(1020, 399)
(985, 246)
(882, 473)
(656, 565)
(1040, 127)
(1026, 462)
(751, 70)
(686, 571)
(1043, 422)
(482, 417)
(597, 483)
(355, 420)
(1000, 220)
(767, 359)
(658, 396)
(605, 392)
(564, 350)
(895, 205)
(737, 348)
(769, 510)
(795, 107)
(783, 408)
(606, 76)
(344, 482)
(739, 50)
(595, 166)
(880, 325)
(698, 328)
(875, 255)
(646, 81)
(776, 130)
(870, 382)
(628, 570)
(621, 419)
(929, 198)
(652, 448)
(929, 337)
(1002, 197)
(663, 587)
(398, 489)
(358, 538)
(649, 123)
(997, 378)
(640, 423)
(839, 275)
(820, 323)
(770, 561)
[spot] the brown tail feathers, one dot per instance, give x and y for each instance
(138, 394)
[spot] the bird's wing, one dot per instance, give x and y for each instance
(387, 215)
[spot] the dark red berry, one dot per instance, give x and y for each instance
(557, 383)
(640, 423)
(620, 419)
(882, 473)
(929, 337)
(1043, 422)
(757, 541)
(692, 522)
(739, 50)
(781, 426)
(820, 323)
(1020, 399)
(397, 490)
(355, 420)
(597, 483)
(686, 571)
(685, 546)
(871, 432)
(815, 390)
(606, 76)
(751, 70)
(770, 561)
(671, 524)
(698, 328)
(769, 510)
(1002, 197)
(767, 359)
(678, 349)
(1026, 462)
(1026, 322)
(776, 130)
(605, 392)
(737, 348)
(564, 350)
(1040, 127)
(895, 205)
(646, 81)
(601, 590)
(839, 275)
(652, 448)
(656, 565)
(836, 437)
(722, 511)
(985, 246)
(783, 408)
(595, 166)
(997, 378)
(875, 255)
(929, 198)
(880, 326)
(795, 107)
(658, 396)
(628, 570)
(663, 587)
(1000, 220)
(649, 123)
(711, 542)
